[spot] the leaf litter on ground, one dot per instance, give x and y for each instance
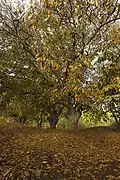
(28, 153)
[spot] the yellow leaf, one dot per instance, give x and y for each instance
(96, 2)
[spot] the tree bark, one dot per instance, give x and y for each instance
(54, 115)
(113, 111)
(53, 120)
(39, 123)
(22, 119)
(73, 115)
(74, 120)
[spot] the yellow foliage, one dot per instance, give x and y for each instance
(115, 34)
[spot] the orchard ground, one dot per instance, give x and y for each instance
(28, 153)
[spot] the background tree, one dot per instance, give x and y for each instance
(108, 68)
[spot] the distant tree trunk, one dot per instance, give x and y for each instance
(115, 117)
(53, 120)
(115, 112)
(39, 123)
(40, 120)
(22, 119)
(54, 116)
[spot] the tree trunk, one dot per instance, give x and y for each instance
(77, 115)
(54, 115)
(53, 120)
(74, 120)
(39, 123)
(113, 109)
(73, 115)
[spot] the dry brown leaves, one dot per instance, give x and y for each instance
(27, 153)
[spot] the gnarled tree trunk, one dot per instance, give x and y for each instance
(54, 115)
(53, 120)
(73, 115)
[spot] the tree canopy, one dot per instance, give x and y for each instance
(60, 55)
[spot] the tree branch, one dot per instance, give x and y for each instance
(98, 29)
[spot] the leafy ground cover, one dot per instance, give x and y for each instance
(28, 153)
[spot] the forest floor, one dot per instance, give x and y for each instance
(27, 153)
